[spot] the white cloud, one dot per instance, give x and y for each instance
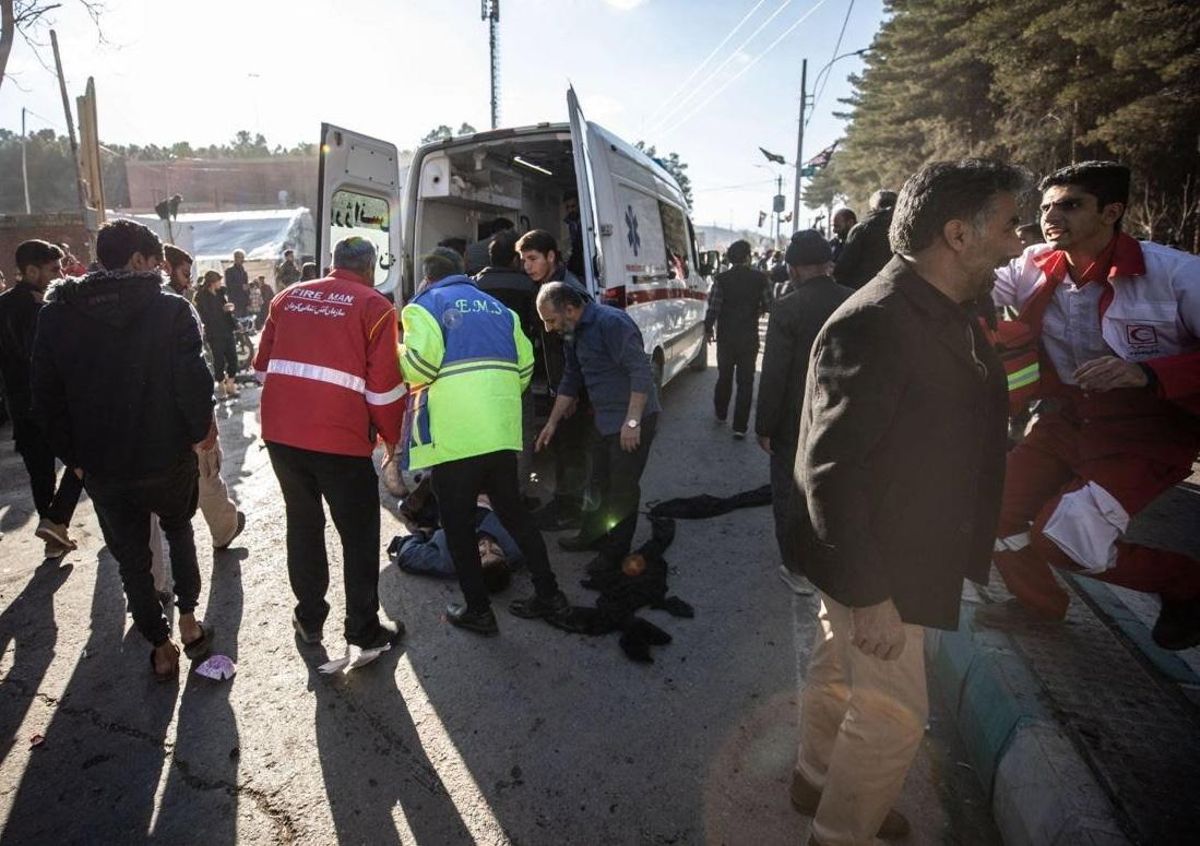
(624, 5)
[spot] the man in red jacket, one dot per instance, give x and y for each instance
(331, 388)
(1118, 322)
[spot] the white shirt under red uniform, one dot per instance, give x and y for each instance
(328, 359)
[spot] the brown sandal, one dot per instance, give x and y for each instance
(171, 673)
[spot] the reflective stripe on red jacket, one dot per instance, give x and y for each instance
(329, 364)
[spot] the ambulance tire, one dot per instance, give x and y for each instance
(699, 362)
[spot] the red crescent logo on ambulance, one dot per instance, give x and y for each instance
(1139, 334)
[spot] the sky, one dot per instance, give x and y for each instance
(712, 80)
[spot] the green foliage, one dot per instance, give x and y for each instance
(52, 174)
(673, 165)
(1038, 82)
(443, 132)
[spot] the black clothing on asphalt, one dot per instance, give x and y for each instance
(616, 477)
(795, 320)
(867, 250)
(124, 508)
(516, 291)
(349, 484)
(457, 486)
(119, 384)
(703, 506)
(237, 283)
(901, 453)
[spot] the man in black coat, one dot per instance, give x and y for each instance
(122, 390)
(867, 247)
(238, 284)
(796, 318)
(740, 296)
(901, 462)
(40, 264)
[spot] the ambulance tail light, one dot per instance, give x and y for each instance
(614, 297)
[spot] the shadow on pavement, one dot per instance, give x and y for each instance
(95, 777)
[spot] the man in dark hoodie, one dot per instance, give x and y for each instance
(123, 393)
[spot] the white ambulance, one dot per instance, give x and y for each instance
(639, 245)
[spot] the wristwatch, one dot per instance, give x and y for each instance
(632, 423)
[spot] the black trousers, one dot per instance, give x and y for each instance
(570, 449)
(785, 498)
(58, 506)
(616, 476)
(737, 355)
(224, 353)
(351, 487)
(457, 484)
(123, 507)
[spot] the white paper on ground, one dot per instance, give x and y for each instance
(355, 657)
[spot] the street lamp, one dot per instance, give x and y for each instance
(803, 107)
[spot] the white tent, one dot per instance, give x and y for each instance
(211, 237)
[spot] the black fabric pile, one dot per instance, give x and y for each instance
(621, 595)
(707, 505)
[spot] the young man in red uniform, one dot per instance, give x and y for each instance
(1119, 328)
(331, 388)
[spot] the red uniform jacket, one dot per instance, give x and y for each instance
(329, 364)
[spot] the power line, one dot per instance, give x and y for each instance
(700, 86)
(696, 110)
(709, 57)
(836, 48)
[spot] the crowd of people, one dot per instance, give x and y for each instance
(894, 355)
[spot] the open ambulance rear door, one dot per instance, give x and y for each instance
(581, 140)
(360, 195)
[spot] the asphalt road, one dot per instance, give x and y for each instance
(535, 737)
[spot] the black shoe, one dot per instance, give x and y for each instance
(738, 436)
(241, 524)
(480, 622)
(1178, 625)
(387, 634)
(579, 543)
(535, 607)
(308, 636)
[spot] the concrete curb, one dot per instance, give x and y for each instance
(1042, 791)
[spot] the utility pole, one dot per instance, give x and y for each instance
(800, 139)
(24, 170)
(778, 206)
(62, 87)
(490, 12)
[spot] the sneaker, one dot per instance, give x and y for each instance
(481, 622)
(739, 436)
(309, 637)
(48, 531)
(388, 633)
(1178, 625)
(806, 797)
(799, 585)
(241, 524)
(535, 607)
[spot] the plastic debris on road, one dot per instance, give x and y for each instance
(217, 668)
(355, 657)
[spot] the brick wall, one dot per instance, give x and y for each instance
(54, 228)
(224, 184)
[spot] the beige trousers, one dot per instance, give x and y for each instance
(860, 727)
(220, 513)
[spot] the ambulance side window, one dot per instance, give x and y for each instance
(675, 238)
(367, 217)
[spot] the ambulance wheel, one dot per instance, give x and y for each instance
(699, 362)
